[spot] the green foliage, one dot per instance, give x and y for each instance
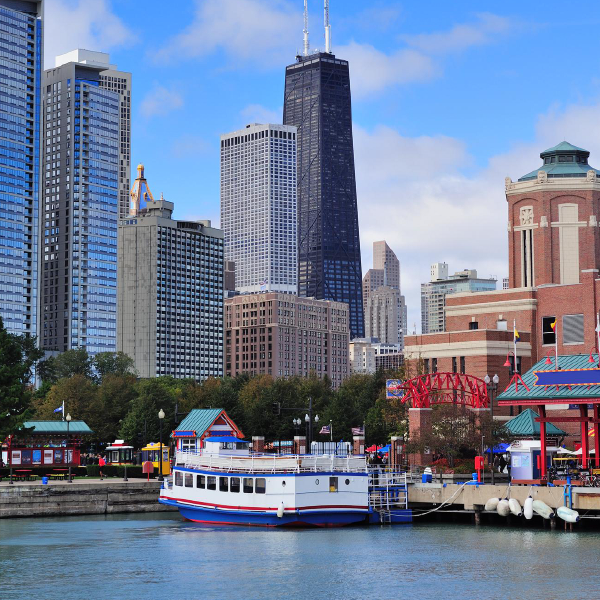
(18, 356)
(113, 363)
(65, 365)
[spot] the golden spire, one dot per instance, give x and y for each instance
(140, 193)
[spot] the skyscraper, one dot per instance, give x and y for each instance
(258, 207)
(433, 293)
(317, 101)
(21, 44)
(170, 317)
(120, 82)
(83, 133)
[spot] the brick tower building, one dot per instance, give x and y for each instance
(554, 261)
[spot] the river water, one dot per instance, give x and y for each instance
(142, 557)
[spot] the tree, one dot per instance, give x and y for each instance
(455, 433)
(78, 394)
(18, 356)
(152, 395)
(113, 363)
(67, 364)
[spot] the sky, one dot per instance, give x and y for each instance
(448, 99)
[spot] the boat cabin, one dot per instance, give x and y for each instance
(119, 454)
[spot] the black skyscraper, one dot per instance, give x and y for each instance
(317, 101)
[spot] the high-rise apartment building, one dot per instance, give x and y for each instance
(317, 101)
(259, 207)
(21, 45)
(82, 154)
(120, 82)
(284, 335)
(170, 318)
(433, 294)
(384, 305)
(385, 316)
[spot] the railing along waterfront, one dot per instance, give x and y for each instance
(268, 463)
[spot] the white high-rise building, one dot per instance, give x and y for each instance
(259, 207)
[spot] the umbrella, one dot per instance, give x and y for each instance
(499, 449)
(373, 448)
(565, 451)
(384, 449)
(580, 451)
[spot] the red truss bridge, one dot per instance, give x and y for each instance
(440, 388)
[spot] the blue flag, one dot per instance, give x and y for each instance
(59, 409)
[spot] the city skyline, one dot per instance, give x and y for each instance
(415, 156)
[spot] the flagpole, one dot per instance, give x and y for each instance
(556, 343)
(515, 343)
(598, 335)
(63, 411)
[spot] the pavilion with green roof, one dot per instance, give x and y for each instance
(563, 160)
(524, 425)
(201, 423)
(574, 381)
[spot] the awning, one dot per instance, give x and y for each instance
(499, 449)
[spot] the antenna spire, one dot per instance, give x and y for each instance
(327, 29)
(305, 31)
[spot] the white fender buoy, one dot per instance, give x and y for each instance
(542, 509)
(503, 508)
(491, 504)
(567, 514)
(280, 511)
(515, 507)
(528, 508)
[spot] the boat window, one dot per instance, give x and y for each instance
(248, 485)
(178, 478)
(261, 484)
(234, 485)
(333, 484)
(200, 481)
(223, 484)
(189, 480)
(211, 483)
(347, 482)
(241, 445)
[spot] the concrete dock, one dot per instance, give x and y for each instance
(81, 497)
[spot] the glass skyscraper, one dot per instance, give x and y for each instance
(21, 46)
(317, 101)
(82, 153)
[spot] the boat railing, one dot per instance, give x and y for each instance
(270, 463)
(388, 488)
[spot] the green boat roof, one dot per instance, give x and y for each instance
(564, 393)
(525, 425)
(53, 427)
(563, 160)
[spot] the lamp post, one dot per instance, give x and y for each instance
(68, 419)
(492, 389)
(309, 426)
(161, 416)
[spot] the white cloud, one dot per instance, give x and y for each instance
(434, 211)
(259, 31)
(190, 146)
(82, 24)
(160, 101)
(256, 113)
(485, 30)
(372, 71)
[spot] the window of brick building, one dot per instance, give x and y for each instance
(434, 365)
(473, 325)
(426, 365)
(454, 364)
(463, 369)
(548, 335)
(572, 329)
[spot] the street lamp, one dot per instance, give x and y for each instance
(492, 389)
(68, 419)
(161, 416)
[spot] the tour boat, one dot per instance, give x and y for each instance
(225, 484)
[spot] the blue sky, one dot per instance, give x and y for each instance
(449, 98)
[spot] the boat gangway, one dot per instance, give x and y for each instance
(388, 495)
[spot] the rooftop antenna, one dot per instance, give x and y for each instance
(327, 29)
(306, 44)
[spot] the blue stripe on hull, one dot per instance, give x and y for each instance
(311, 519)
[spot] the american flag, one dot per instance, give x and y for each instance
(358, 431)
(325, 429)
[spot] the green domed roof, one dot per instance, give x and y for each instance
(563, 160)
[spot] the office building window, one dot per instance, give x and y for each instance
(548, 335)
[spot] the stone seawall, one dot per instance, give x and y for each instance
(79, 498)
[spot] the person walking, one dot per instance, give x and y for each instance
(101, 465)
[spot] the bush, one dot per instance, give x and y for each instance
(117, 471)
